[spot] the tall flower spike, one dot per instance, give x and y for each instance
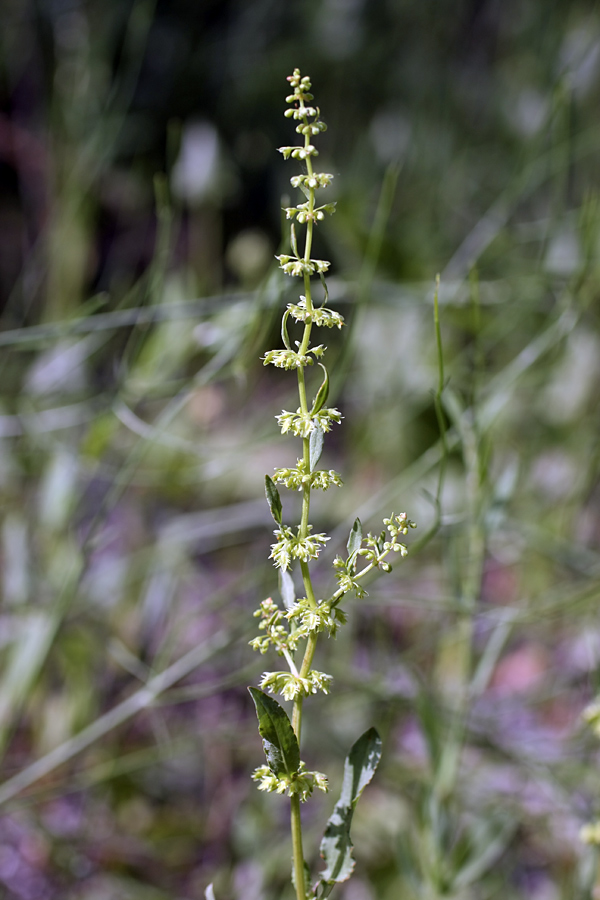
(305, 620)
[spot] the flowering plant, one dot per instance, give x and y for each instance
(302, 620)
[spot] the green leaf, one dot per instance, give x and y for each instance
(286, 588)
(336, 846)
(322, 394)
(355, 539)
(273, 499)
(279, 741)
(284, 332)
(315, 446)
(293, 242)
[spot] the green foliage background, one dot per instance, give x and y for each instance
(136, 429)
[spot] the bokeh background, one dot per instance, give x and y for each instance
(139, 215)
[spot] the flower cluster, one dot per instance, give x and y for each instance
(295, 479)
(373, 554)
(301, 782)
(321, 316)
(302, 424)
(291, 686)
(398, 525)
(291, 546)
(288, 359)
(306, 214)
(299, 152)
(310, 182)
(345, 576)
(325, 616)
(377, 548)
(292, 265)
(272, 621)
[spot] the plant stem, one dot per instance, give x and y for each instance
(296, 824)
(296, 821)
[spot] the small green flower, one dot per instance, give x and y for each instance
(288, 359)
(311, 182)
(344, 574)
(321, 317)
(305, 214)
(291, 686)
(292, 546)
(294, 266)
(273, 623)
(301, 112)
(323, 617)
(298, 152)
(301, 782)
(295, 479)
(303, 424)
(310, 129)
(323, 480)
(398, 524)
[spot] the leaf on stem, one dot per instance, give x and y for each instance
(286, 588)
(279, 741)
(355, 539)
(273, 499)
(336, 846)
(322, 394)
(315, 446)
(293, 242)
(284, 332)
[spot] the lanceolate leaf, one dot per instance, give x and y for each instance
(273, 499)
(284, 332)
(355, 538)
(293, 241)
(322, 394)
(315, 446)
(279, 741)
(336, 846)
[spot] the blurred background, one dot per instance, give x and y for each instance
(139, 216)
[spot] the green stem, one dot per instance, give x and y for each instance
(297, 717)
(304, 670)
(302, 388)
(309, 654)
(296, 821)
(310, 593)
(298, 852)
